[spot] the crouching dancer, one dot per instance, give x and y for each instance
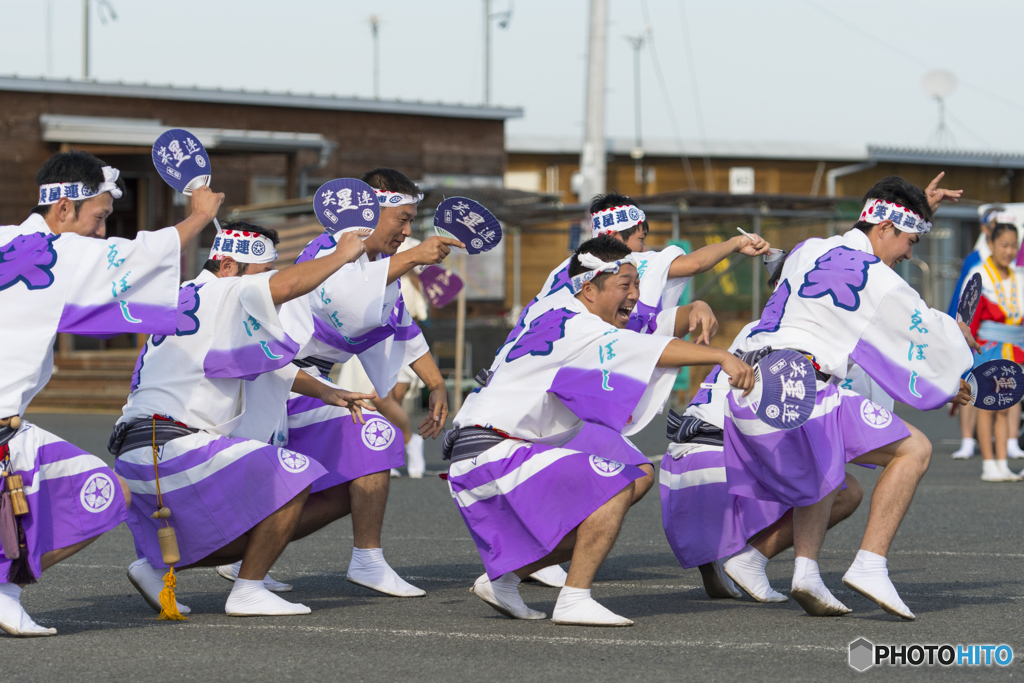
(729, 538)
(840, 302)
(230, 498)
(528, 500)
(54, 278)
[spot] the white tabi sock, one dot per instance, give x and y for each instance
(230, 572)
(414, 461)
(991, 471)
(575, 607)
(13, 617)
(1004, 469)
(869, 576)
(149, 582)
(811, 593)
(252, 599)
(1013, 449)
(369, 569)
(553, 576)
(503, 595)
(746, 568)
(966, 449)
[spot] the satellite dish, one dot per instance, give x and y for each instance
(939, 83)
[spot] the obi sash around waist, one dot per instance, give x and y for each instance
(1001, 332)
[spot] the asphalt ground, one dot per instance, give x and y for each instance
(956, 562)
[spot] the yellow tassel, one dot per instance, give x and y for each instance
(168, 603)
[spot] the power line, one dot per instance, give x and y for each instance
(667, 98)
(970, 132)
(907, 55)
(709, 179)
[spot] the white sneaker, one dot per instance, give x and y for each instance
(414, 460)
(230, 572)
(553, 576)
(965, 451)
(503, 596)
(13, 617)
(1013, 449)
(148, 581)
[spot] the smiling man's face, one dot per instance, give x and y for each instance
(614, 297)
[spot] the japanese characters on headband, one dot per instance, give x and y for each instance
(877, 210)
(616, 219)
(51, 193)
(243, 246)
(389, 198)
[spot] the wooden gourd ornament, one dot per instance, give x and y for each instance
(168, 548)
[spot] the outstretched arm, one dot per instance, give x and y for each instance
(706, 258)
(690, 316)
(302, 278)
(680, 353)
(430, 251)
(205, 205)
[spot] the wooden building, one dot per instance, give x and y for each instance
(264, 147)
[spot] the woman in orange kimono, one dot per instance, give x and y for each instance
(997, 326)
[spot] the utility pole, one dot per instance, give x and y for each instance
(503, 19)
(374, 25)
(487, 52)
(101, 7)
(593, 162)
(638, 148)
(85, 40)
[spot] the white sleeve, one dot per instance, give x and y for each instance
(124, 285)
(916, 354)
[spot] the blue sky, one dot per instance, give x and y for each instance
(785, 70)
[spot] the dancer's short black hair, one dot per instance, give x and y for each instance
(214, 266)
(899, 191)
(72, 167)
(604, 247)
(606, 201)
(390, 180)
(1000, 228)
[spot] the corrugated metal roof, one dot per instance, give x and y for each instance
(946, 157)
(571, 146)
(261, 99)
(99, 130)
(663, 147)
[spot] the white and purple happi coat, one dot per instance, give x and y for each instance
(69, 283)
(566, 368)
(352, 317)
(229, 333)
(840, 304)
(703, 521)
(658, 292)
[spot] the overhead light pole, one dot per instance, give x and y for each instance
(593, 164)
(101, 7)
(374, 26)
(503, 20)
